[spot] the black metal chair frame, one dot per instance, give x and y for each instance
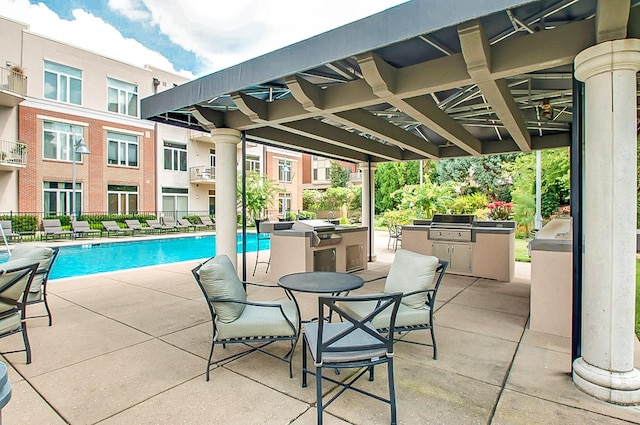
(258, 238)
(431, 303)
(395, 236)
(45, 280)
(334, 345)
(262, 340)
(19, 306)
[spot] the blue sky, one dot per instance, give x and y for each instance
(190, 37)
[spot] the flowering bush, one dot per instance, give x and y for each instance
(500, 210)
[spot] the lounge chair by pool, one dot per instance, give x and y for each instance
(52, 228)
(111, 227)
(82, 228)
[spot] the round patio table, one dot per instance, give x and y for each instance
(321, 282)
(334, 283)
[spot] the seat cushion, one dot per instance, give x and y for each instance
(406, 316)
(353, 339)
(41, 254)
(219, 279)
(411, 272)
(10, 323)
(261, 321)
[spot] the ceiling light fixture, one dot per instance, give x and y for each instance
(546, 110)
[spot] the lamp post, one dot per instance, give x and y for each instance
(78, 147)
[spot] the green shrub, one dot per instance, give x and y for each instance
(22, 223)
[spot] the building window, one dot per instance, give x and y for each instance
(175, 202)
(58, 140)
(122, 149)
(284, 204)
(212, 202)
(175, 157)
(321, 169)
(284, 170)
(57, 198)
(122, 98)
(122, 199)
(62, 83)
(252, 164)
(212, 157)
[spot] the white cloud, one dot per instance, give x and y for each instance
(85, 31)
(218, 33)
(224, 33)
(133, 9)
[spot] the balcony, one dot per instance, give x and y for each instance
(202, 174)
(355, 178)
(12, 155)
(13, 87)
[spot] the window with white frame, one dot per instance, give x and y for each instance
(321, 168)
(284, 170)
(122, 98)
(284, 204)
(122, 199)
(252, 164)
(58, 140)
(175, 157)
(122, 149)
(62, 83)
(56, 198)
(175, 201)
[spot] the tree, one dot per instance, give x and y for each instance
(391, 176)
(260, 193)
(338, 175)
(486, 174)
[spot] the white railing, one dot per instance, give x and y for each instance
(355, 177)
(202, 174)
(13, 81)
(13, 153)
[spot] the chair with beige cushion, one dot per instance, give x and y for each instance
(15, 278)
(45, 257)
(351, 343)
(414, 275)
(236, 320)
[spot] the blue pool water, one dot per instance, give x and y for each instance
(91, 258)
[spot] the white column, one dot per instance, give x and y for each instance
(368, 203)
(226, 141)
(606, 369)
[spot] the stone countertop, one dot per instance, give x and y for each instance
(498, 227)
(291, 232)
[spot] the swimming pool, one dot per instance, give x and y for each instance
(96, 257)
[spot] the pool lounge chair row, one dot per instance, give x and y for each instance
(52, 228)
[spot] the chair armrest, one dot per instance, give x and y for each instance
(374, 279)
(261, 285)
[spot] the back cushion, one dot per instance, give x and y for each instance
(41, 254)
(220, 280)
(411, 272)
(32, 254)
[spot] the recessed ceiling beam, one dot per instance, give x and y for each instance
(477, 54)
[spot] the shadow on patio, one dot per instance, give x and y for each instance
(130, 348)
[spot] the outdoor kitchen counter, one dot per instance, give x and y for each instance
(293, 251)
(490, 253)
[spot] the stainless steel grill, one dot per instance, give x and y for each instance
(323, 231)
(451, 227)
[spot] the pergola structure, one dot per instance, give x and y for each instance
(434, 79)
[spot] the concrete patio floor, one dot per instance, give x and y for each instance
(131, 347)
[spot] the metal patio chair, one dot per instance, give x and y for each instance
(351, 343)
(236, 320)
(15, 279)
(418, 277)
(44, 257)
